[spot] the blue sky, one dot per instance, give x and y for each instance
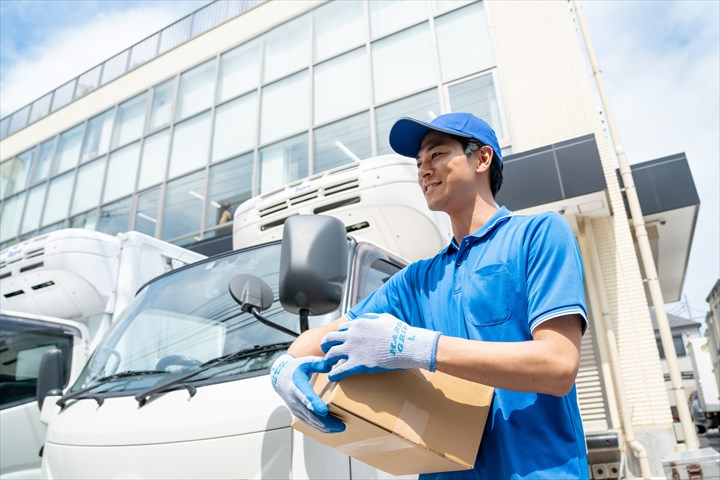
(660, 61)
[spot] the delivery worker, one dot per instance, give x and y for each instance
(502, 305)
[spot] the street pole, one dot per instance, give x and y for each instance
(646, 255)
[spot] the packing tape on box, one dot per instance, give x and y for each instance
(382, 443)
(411, 422)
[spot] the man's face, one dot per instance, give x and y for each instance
(445, 174)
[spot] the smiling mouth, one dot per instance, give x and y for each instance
(430, 186)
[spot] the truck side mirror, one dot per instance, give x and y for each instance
(50, 377)
(253, 295)
(313, 265)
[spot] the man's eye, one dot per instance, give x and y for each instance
(435, 155)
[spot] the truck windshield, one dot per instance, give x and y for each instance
(183, 320)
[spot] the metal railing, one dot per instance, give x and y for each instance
(174, 35)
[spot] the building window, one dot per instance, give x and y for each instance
(33, 209)
(68, 150)
(339, 27)
(285, 108)
(190, 145)
(86, 220)
(146, 215)
(393, 57)
(338, 143)
(333, 82)
(679, 346)
(283, 162)
(423, 106)
(154, 159)
(130, 121)
(452, 31)
(122, 171)
(196, 92)
(478, 97)
(97, 136)
(235, 127)
(184, 201)
(58, 199)
(44, 160)
(239, 71)
(11, 212)
(287, 49)
(162, 104)
(388, 16)
(88, 187)
(230, 184)
(15, 173)
(115, 218)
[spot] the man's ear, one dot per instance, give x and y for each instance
(483, 158)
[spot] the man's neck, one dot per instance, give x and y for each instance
(471, 220)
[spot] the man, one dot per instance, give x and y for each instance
(502, 305)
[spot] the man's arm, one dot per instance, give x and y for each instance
(547, 364)
(308, 343)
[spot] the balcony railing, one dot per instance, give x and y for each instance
(174, 35)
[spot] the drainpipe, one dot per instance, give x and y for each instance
(646, 255)
(604, 323)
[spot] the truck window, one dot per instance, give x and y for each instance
(373, 270)
(22, 345)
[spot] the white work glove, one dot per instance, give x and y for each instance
(290, 378)
(378, 342)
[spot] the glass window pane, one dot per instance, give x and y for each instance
(478, 97)
(97, 136)
(230, 184)
(130, 121)
(42, 169)
(89, 184)
(283, 162)
(33, 209)
(287, 49)
(191, 141)
(196, 90)
(235, 127)
(115, 218)
(122, 170)
(239, 71)
(58, 199)
(334, 82)
(387, 16)
(423, 106)
(15, 173)
(147, 212)
(85, 220)
(68, 150)
(285, 108)
(452, 30)
(339, 26)
(11, 212)
(184, 202)
(336, 143)
(154, 159)
(390, 76)
(162, 104)
(447, 5)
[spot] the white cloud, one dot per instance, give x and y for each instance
(661, 65)
(69, 52)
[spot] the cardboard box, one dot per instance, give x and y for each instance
(406, 421)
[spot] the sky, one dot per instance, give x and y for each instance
(660, 61)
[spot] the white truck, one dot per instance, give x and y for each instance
(705, 401)
(179, 387)
(60, 292)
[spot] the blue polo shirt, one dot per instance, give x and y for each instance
(499, 284)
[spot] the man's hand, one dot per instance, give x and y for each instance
(290, 377)
(378, 342)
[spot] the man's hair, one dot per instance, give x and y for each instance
(470, 145)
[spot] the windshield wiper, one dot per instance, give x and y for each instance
(143, 396)
(101, 381)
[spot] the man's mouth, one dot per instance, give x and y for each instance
(430, 186)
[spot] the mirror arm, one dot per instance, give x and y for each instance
(304, 319)
(271, 324)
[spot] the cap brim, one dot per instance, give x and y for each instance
(407, 134)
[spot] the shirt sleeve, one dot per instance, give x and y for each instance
(554, 272)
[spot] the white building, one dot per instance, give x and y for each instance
(242, 97)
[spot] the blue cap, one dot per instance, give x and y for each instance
(407, 133)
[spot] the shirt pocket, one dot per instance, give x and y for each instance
(486, 301)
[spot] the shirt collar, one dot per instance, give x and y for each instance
(500, 217)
